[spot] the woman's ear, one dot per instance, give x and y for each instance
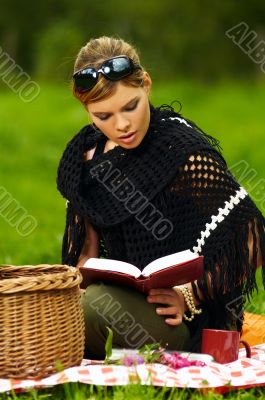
(147, 82)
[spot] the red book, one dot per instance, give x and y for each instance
(164, 272)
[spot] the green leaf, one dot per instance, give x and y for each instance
(108, 344)
(151, 352)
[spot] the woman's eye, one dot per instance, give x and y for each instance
(127, 109)
(132, 108)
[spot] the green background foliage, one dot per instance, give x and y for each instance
(175, 38)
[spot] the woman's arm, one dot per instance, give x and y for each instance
(251, 262)
(174, 299)
(91, 245)
(252, 255)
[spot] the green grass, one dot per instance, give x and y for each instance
(77, 391)
(33, 136)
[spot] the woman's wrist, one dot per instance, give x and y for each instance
(81, 261)
(183, 303)
(195, 298)
(188, 298)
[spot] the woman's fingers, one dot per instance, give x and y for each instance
(170, 298)
(169, 292)
(174, 321)
(170, 311)
(161, 298)
(167, 311)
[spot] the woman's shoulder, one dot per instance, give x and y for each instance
(186, 140)
(82, 141)
(74, 152)
(73, 156)
(85, 131)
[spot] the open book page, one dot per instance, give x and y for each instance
(107, 264)
(168, 261)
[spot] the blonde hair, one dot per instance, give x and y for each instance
(93, 54)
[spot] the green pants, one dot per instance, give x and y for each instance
(133, 320)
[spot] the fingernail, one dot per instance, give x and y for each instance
(158, 310)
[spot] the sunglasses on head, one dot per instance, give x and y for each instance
(114, 68)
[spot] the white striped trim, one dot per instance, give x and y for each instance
(223, 212)
(181, 120)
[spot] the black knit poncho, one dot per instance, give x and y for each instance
(171, 193)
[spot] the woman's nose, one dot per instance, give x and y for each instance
(122, 124)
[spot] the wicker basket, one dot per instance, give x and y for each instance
(41, 320)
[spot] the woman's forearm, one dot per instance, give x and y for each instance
(90, 246)
(81, 261)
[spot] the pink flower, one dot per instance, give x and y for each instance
(132, 360)
(176, 361)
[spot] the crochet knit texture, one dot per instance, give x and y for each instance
(171, 193)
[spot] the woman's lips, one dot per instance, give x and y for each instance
(128, 139)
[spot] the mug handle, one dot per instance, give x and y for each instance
(247, 347)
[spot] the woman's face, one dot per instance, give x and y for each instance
(126, 111)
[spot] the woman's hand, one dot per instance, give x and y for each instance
(173, 299)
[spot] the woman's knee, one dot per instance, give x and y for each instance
(94, 302)
(106, 306)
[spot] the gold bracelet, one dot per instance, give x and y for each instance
(189, 301)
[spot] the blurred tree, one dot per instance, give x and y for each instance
(56, 51)
(174, 37)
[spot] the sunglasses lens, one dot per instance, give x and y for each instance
(117, 68)
(85, 79)
(113, 69)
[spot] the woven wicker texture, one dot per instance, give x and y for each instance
(41, 320)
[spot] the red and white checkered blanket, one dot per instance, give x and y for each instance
(244, 372)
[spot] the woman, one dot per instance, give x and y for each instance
(143, 182)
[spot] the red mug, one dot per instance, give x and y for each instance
(223, 345)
